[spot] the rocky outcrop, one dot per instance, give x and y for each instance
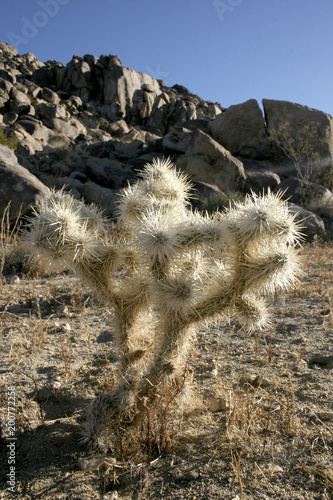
(92, 124)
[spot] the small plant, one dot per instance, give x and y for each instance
(164, 270)
(11, 141)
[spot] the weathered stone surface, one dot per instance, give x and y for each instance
(205, 195)
(120, 85)
(103, 197)
(298, 116)
(260, 182)
(17, 185)
(309, 195)
(178, 139)
(7, 49)
(48, 112)
(49, 96)
(241, 130)
(108, 173)
(210, 162)
(312, 224)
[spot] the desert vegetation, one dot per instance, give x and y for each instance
(237, 413)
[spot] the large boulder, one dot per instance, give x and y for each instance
(18, 186)
(207, 161)
(120, 85)
(309, 195)
(241, 130)
(296, 118)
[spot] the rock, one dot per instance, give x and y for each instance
(47, 112)
(312, 224)
(103, 197)
(261, 182)
(309, 195)
(205, 195)
(109, 173)
(120, 85)
(49, 96)
(208, 161)
(7, 49)
(297, 117)
(17, 185)
(65, 128)
(241, 130)
(10, 118)
(177, 140)
(28, 146)
(128, 149)
(20, 102)
(5, 85)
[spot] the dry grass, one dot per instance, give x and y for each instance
(273, 432)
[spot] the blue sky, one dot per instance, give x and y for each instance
(226, 51)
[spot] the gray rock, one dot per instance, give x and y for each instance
(210, 162)
(205, 195)
(241, 130)
(312, 224)
(120, 85)
(309, 195)
(28, 146)
(109, 173)
(7, 49)
(298, 116)
(65, 128)
(260, 182)
(5, 85)
(49, 96)
(48, 112)
(103, 197)
(177, 140)
(17, 185)
(10, 118)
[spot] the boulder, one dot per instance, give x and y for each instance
(206, 196)
(296, 117)
(7, 50)
(177, 140)
(207, 161)
(120, 85)
(312, 224)
(102, 197)
(261, 182)
(47, 112)
(309, 195)
(109, 173)
(241, 130)
(17, 185)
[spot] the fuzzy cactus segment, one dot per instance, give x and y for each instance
(163, 269)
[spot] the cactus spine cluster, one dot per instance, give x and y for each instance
(164, 269)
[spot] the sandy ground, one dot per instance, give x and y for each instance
(264, 430)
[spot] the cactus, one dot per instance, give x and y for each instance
(163, 270)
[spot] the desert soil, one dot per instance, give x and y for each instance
(264, 430)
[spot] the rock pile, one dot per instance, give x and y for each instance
(92, 124)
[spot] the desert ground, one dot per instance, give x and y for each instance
(263, 428)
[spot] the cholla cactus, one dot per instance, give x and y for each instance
(164, 270)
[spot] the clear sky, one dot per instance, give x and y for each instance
(226, 51)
